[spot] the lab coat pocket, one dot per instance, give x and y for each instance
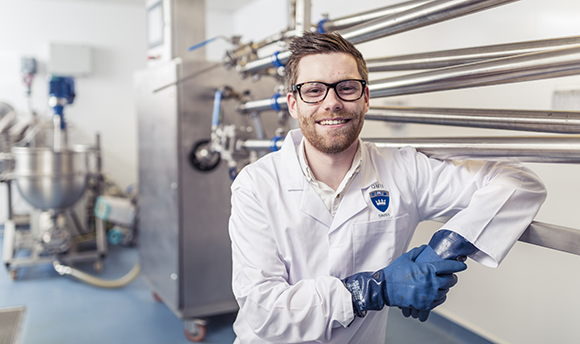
(378, 243)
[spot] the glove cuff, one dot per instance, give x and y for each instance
(366, 290)
(450, 245)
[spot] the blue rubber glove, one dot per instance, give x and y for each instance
(444, 245)
(404, 283)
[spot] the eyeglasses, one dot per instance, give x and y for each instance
(313, 92)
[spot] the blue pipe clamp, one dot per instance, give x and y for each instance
(274, 143)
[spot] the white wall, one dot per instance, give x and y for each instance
(531, 298)
(104, 102)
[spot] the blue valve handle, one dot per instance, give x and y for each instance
(217, 102)
(199, 45)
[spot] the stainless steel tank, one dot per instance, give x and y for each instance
(51, 180)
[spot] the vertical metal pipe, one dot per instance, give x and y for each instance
(303, 21)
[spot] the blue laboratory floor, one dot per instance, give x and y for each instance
(60, 309)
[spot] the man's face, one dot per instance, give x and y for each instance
(332, 125)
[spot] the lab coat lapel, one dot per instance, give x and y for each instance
(353, 201)
(311, 203)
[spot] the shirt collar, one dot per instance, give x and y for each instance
(354, 168)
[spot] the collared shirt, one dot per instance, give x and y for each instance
(330, 197)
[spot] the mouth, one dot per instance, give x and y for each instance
(336, 121)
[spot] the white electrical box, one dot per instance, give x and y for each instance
(70, 60)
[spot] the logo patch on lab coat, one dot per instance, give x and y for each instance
(380, 200)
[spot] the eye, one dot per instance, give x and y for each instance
(313, 89)
(348, 87)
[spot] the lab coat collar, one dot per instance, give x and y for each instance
(311, 204)
(294, 180)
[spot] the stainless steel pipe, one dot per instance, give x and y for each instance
(526, 67)
(446, 58)
(264, 63)
(545, 149)
(272, 104)
(564, 122)
(360, 18)
(430, 13)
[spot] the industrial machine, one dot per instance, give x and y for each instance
(60, 182)
(192, 115)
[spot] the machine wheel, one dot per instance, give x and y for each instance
(200, 157)
(197, 335)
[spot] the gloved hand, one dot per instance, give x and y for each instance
(404, 283)
(444, 245)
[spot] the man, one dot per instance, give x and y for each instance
(319, 229)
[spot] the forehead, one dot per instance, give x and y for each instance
(327, 68)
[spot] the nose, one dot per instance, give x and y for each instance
(332, 103)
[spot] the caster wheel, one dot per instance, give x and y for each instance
(13, 274)
(195, 336)
(156, 297)
(98, 266)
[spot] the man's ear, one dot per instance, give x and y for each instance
(291, 105)
(367, 98)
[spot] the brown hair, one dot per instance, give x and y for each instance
(312, 43)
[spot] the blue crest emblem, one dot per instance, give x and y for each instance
(380, 200)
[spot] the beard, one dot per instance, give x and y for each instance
(335, 141)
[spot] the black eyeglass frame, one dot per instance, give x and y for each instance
(296, 88)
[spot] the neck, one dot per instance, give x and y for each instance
(330, 168)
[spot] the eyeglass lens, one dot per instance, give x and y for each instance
(346, 90)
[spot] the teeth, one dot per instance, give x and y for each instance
(333, 122)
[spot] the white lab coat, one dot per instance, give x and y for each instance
(290, 254)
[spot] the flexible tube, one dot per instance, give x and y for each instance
(98, 282)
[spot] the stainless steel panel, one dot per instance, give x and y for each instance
(205, 196)
(184, 243)
(158, 171)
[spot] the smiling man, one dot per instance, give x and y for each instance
(319, 229)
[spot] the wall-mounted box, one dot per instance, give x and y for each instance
(70, 60)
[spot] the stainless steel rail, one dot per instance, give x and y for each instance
(430, 13)
(446, 58)
(360, 18)
(526, 67)
(552, 236)
(564, 122)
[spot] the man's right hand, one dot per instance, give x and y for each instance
(404, 283)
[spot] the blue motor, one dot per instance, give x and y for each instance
(61, 92)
